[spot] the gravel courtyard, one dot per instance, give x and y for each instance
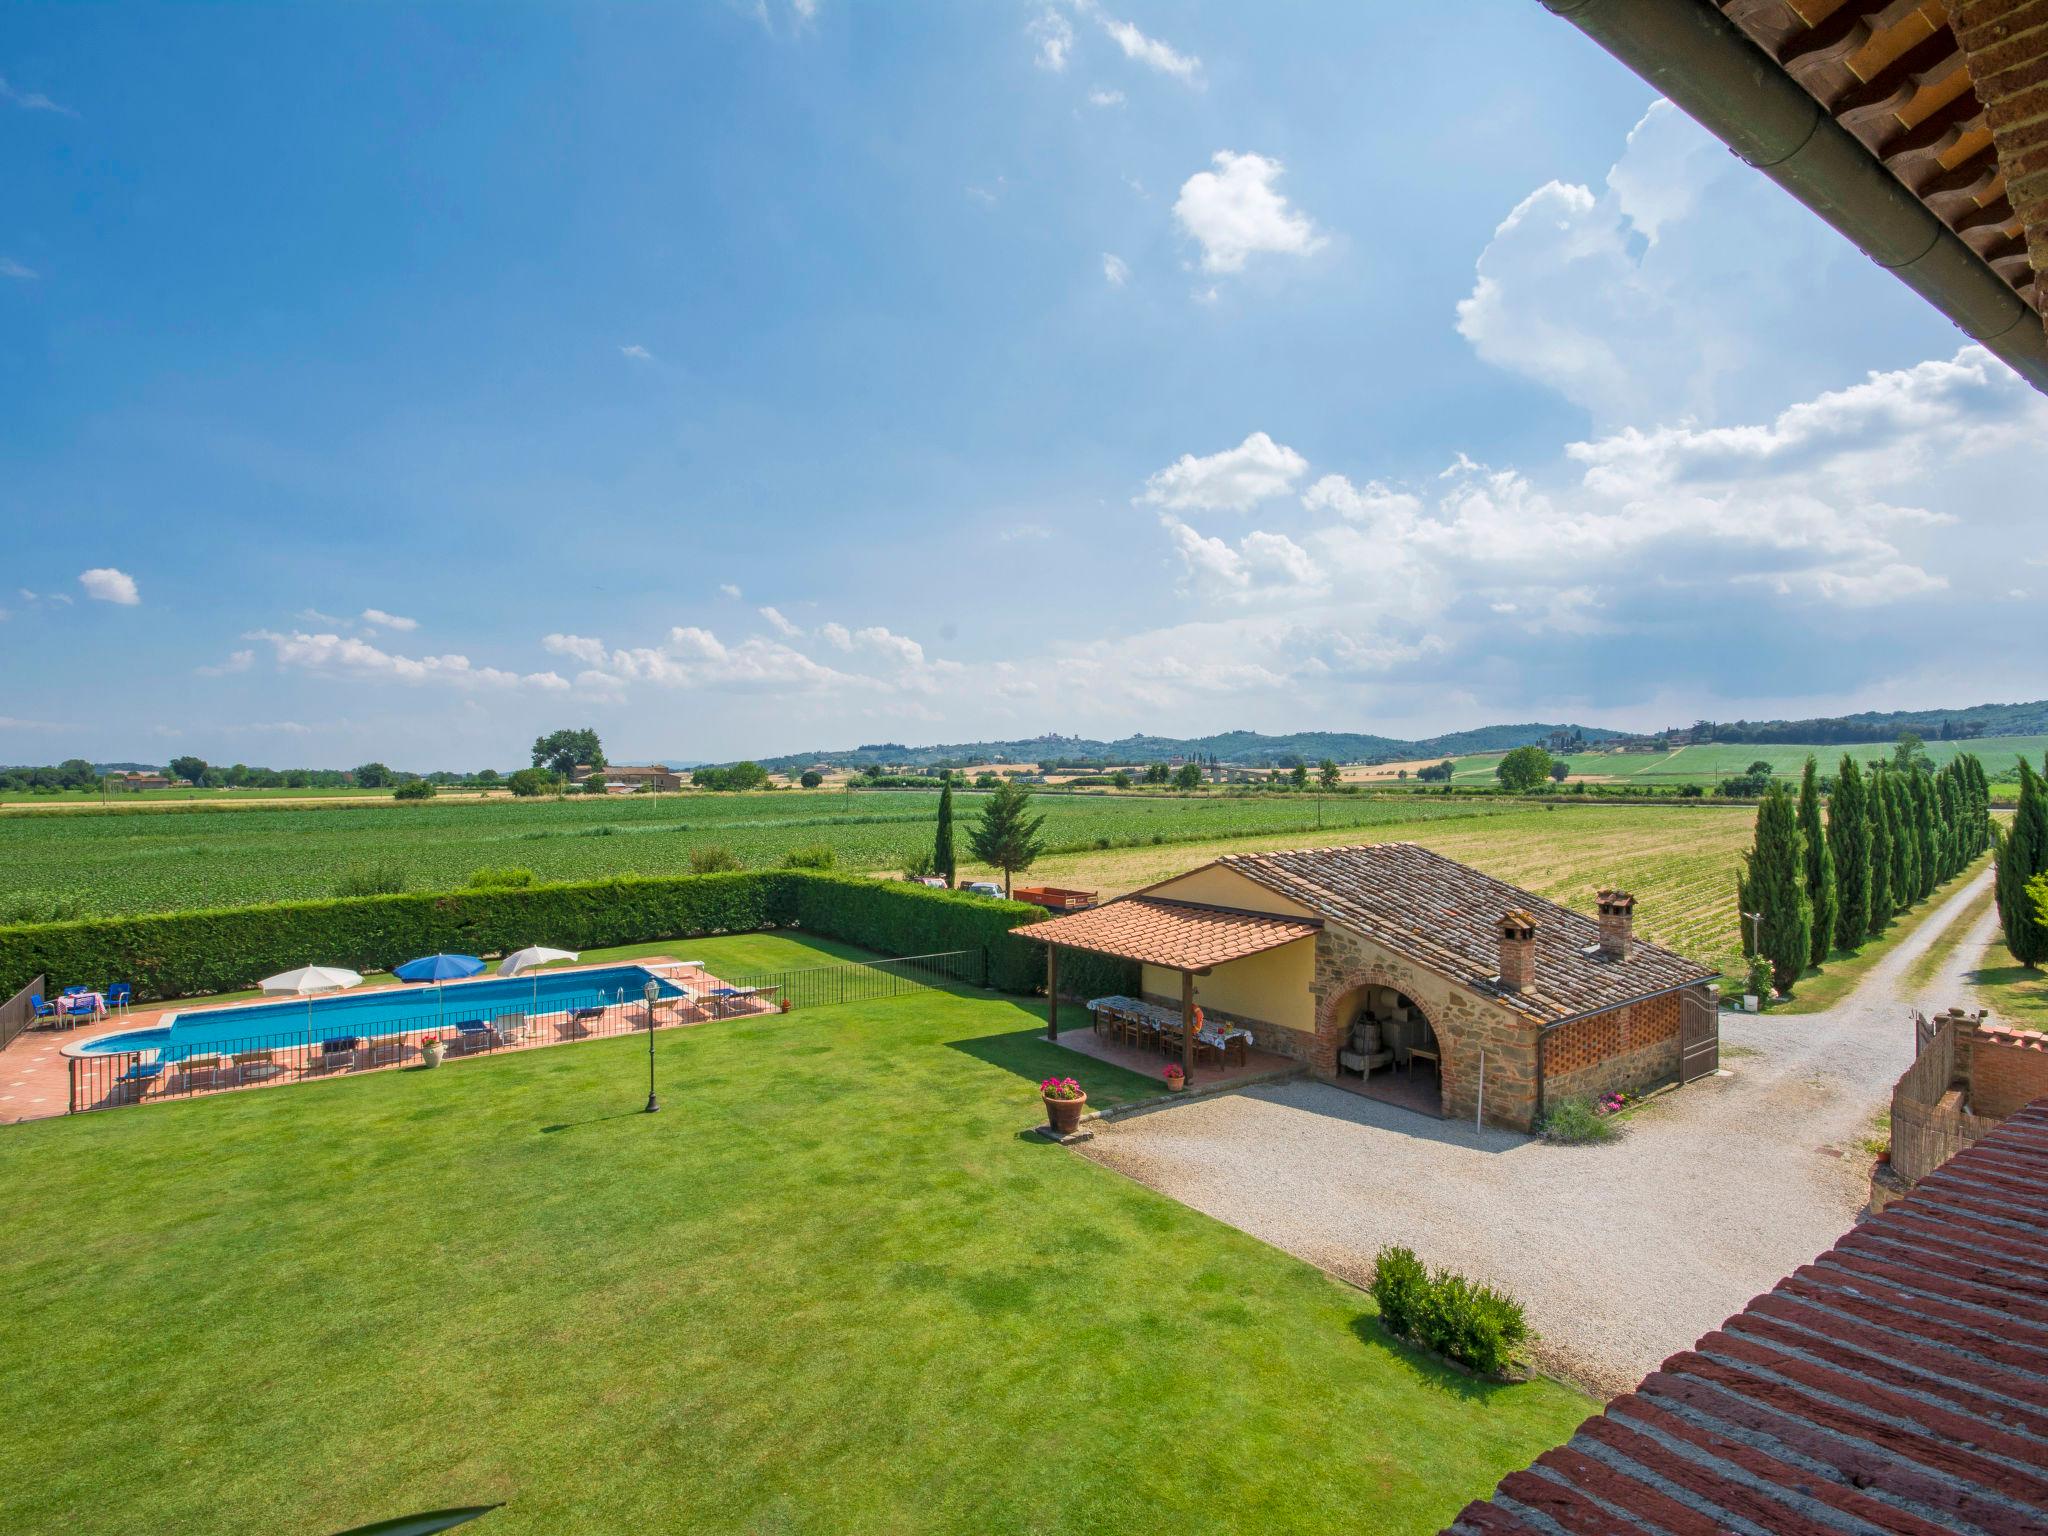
(1623, 1253)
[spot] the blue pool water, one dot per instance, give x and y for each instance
(367, 1014)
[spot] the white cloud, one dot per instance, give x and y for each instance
(1114, 270)
(108, 585)
(1100, 97)
(836, 635)
(389, 620)
(1260, 561)
(1234, 211)
(781, 625)
(238, 661)
(350, 656)
(1643, 301)
(899, 648)
(637, 353)
(31, 101)
(1054, 35)
(1234, 480)
(581, 648)
(1151, 52)
(727, 589)
(14, 269)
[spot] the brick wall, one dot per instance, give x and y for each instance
(2006, 45)
(2008, 1070)
(1624, 1050)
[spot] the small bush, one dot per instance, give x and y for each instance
(383, 879)
(505, 877)
(815, 856)
(1474, 1325)
(918, 865)
(1575, 1121)
(1760, 980)
(713, 859)
(413, 789)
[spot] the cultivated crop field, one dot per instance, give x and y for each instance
(85, 863)
(1720, 760)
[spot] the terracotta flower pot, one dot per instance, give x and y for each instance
(1064, 1115)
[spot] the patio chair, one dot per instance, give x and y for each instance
(473, 1035)
(76, 1005)
(255, 1066)
(196, 1072)
(119, 995)
(39, 1008)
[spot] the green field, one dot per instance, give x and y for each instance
(831, 1287)
(88, 863)
(1712, 763)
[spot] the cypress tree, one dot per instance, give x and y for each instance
(1923, 836)
(1979, 824)
(943, 862)
(2022, 855)
(1820, 865)
(1849, 847)
(1950, 810)
(1880, 851)
(1905, 859)
(1777, 882)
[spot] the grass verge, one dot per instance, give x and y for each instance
(1826, 986)
(832, 1286)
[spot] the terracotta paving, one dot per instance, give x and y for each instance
(37, 1080)
(1149, 1063)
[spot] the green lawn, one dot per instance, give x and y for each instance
(831, 1287)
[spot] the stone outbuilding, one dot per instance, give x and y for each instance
(1390, 962)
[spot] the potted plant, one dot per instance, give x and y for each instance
(1176, 1077)
(430, 1050)
(1759, 984)
(1064, 1102)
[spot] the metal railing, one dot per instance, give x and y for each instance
(330, 1048)
(18, 1013)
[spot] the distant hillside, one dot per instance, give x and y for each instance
(1246, 749)
(1874, 725)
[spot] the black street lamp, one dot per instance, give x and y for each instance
(651, 991)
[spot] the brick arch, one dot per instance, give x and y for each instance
(1330, 1030)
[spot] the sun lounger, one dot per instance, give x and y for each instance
(336, 1055)
(382, 1052)
(195, 1072)
(255, 1066)
(135, 1082)
(473, 1035)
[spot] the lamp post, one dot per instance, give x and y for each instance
(651, 991)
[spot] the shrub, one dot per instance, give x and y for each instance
(383, 879)
(714, 859)
(185, 954)
(815, 856)
(917, 865)
(1574, 1121)
(1474, 1325)
(1759, 983)
(414, 789)
(1400, 1287)
(506, 877)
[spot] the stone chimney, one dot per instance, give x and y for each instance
(1517, 951)
(1617, 923)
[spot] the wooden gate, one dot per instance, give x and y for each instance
(1699, 1034)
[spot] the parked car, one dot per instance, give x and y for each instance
(983, 888)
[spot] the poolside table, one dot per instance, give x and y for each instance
(67, 1005)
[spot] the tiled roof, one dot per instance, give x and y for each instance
(1897, 1383)
(1176, 934)
(1446, 916)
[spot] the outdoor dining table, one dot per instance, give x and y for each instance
(1155, 1020)
(67, 1005)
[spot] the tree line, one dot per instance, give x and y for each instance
(1812, 887)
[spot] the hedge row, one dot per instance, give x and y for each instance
(189, 954)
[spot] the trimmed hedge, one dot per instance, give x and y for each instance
(1474, 1325)
(188, 954)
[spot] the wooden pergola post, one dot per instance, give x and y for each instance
(1052, 991)
(1187, 1027)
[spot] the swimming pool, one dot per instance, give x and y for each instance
(367, 1015)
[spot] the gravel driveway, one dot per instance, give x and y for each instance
(1623, 1253)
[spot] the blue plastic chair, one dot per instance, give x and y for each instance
(71, 991)
(119, 994)
(41, 1009)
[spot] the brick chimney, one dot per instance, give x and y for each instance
(1517, 951)
(1617, 923)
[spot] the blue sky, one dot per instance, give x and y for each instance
(404, 382)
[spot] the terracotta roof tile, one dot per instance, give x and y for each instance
(1446, 915)
(1179, 935)
(1898, 1383)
